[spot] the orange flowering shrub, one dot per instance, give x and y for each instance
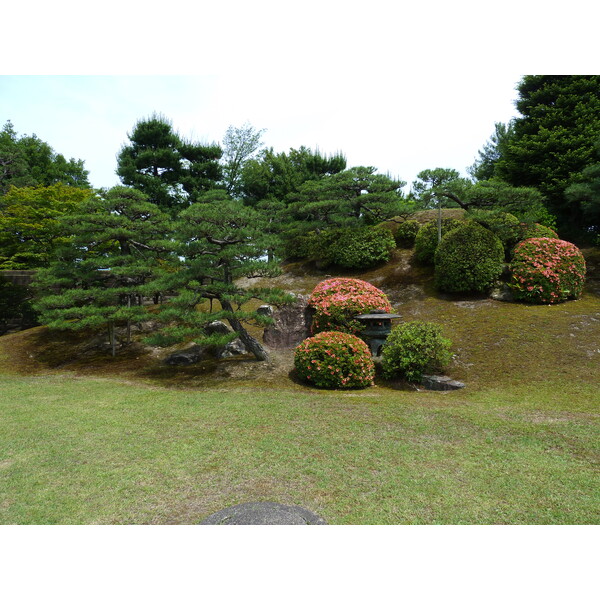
(546, 271)
(335, 360)
(337, 301)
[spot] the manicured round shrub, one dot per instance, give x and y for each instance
(547, 271)
(361, 247)
(414, 349)
(299, 246)
(406, 233)
(335, 360)
(469, 259)
(336, 301)
(503, 224)
(426, 240)
(535, 230)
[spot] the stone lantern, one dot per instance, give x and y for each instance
(378, 325)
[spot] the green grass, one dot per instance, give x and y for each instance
(81, 451)
(85, 438)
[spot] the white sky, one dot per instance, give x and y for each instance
(400, 127)
(395, 86)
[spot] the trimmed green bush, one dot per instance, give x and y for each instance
(299, 246)
(535, 230)
(505, 225)
(361, 247)
(406, 233)
(547, 271)
(469, 259)
(335, 360)
(426, 240)
(414, 349)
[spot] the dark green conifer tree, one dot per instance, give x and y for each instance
(119, 244)
(221, 243)
(171, 171)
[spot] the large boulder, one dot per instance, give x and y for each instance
(291, 324)
(264, 513)
(187, 356)
(234, 348)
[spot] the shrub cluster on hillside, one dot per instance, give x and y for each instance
(502, 224)
(535, 230)
(426, 240)
(361, 248)
(406, 233)
(350, 248)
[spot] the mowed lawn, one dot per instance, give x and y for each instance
(95, 440)
(83, 451)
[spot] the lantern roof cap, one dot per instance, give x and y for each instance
(377, 315)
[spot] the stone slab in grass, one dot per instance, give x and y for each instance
(439, 383)
(263, 513)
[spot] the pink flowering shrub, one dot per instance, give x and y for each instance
(335, 360)
(546, 271)
(337, 301)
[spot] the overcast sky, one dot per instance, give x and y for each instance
(398, 86)
(400, 128)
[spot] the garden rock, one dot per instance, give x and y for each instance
(502, 294)
(291, 324)
(217, 327)
(187, 356)
(234, 348)
(439, 383)
(264, 513)
(265, 310)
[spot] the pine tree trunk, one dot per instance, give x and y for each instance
(111, 337)
(439, 220)
(252, 345)
(128, 321)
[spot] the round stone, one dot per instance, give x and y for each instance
(263, 513)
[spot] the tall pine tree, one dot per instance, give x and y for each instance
(220, 243)
(553, 141)
(171, 171)
(117, 245)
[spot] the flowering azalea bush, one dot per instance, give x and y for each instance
(546, 271)
(337, 301)
(335, 360)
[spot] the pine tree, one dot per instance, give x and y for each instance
(119, 244)
(553, 141)
(220, 242)
(171, 171)
(355, 197)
